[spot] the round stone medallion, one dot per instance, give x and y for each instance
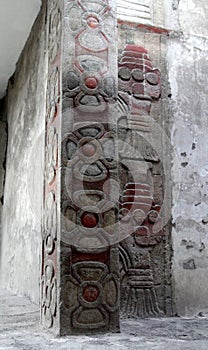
(89, 220)
(91, 293)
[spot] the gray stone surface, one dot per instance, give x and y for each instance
(188, 64)
(21, 223)
(20, 330)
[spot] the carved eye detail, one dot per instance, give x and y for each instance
(152, 78)
(124, 73)
(137, 75)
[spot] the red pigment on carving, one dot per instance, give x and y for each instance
(92, 22)
(149, 28)
(135, 48)
(91, 293)
(101, 257)
(89, 220)
(88, 149)
(91, 82)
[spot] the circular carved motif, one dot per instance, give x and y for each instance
(152, 78)
(138, 75)
(91, 293)
(92, 22)
(153, 216)
(89, 220)
(49, 294)
(124, 73)
(91, 82)
(88, 149)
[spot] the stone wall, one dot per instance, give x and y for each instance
(21, 222)
(3, 143)
(188, 66)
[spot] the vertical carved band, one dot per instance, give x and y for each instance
(52, 155)
(89, 274)
(139, 86)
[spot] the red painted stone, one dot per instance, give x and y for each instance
(91, 82)
(89, 220)
(92, 22)
(149, 28)
(103, 257)
(88, 149)
(91, 293)
(131, 47)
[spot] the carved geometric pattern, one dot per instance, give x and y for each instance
(49, 294)
(90, 84)
(50, 224)
(89, 167)
(90, 208)
(90, 292)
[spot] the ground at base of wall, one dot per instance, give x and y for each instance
(19, 329)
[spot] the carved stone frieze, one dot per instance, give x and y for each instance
(49, 294)
(139, 86)
(93, 294)
(89, 169)
(49, 310)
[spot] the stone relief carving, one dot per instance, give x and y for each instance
(139, 85)
(90, 167)
(50, 222)
(90, 293)
(49, 294)
(88, 160)
(90, 84)
(49, 259)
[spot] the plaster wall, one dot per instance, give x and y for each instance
(188, 66)
(22, 209)
(16, 20)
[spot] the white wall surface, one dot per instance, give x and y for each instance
(16, 20)
(188, 68)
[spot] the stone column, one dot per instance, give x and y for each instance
(80, 270)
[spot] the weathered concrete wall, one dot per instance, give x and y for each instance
(188, 67)
(21, 221)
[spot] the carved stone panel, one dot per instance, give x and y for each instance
(142, 271)
(50, 263)
(89, 264)
(100, 166)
